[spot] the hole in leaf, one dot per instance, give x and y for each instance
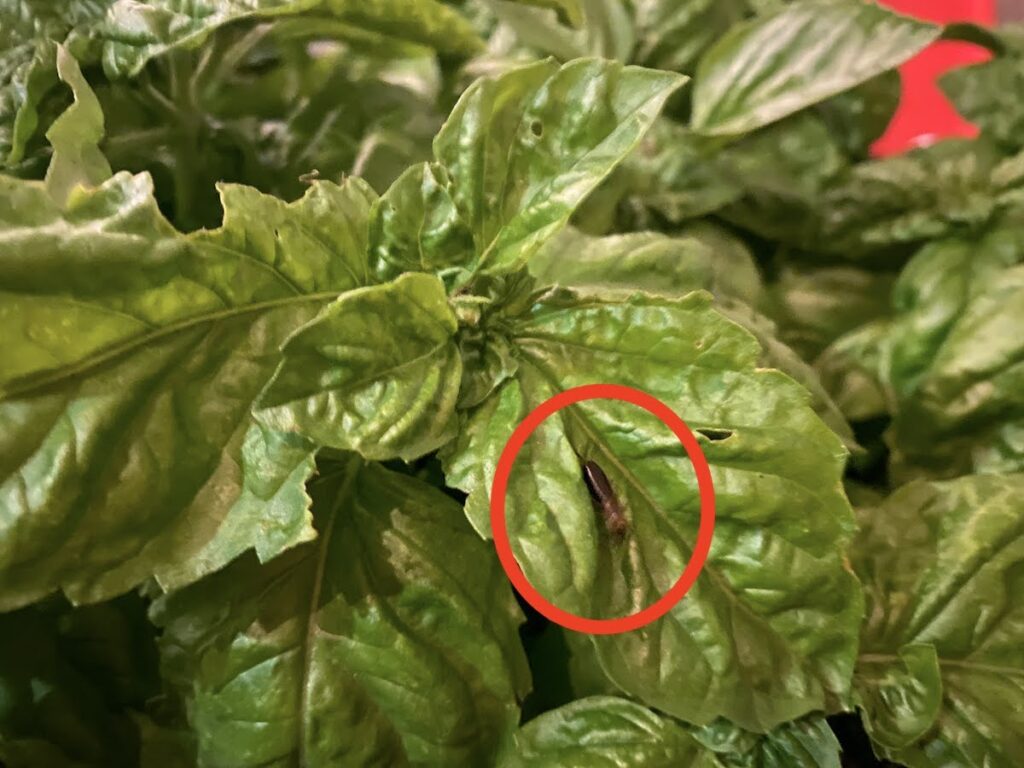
(716, 434)
(537, 127)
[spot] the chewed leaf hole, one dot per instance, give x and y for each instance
(537, 127)
(715, 434)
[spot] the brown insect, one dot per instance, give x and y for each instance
(605, 500)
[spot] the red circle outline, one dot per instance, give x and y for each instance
(705, 530)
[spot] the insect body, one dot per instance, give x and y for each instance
(605, 500)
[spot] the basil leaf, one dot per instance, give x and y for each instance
(814, 306)
(514, 163)
(982, 93)
(376, 372)
(772, 459)
(941, 659)
(391, 639)
(777, 64)
(147, 405)
(649, 262)
(135, 32)
(75, 136)
(604, 731)
(804, 743)
(953, 366)
(29, 35)
(675, 35)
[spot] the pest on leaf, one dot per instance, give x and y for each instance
(605, 500)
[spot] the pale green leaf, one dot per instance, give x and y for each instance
(943, 567)
(519, 161)
(733, 647)
(75, 137)
(649, 262)
(132, 358)
(777, 64)
(376, 372)
(390, 640)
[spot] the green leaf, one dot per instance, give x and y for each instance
(674, 36)
(804, 743)
(29, 35)
(771, 181)
(782, 518)
(146, 405)
(983, 93)
(515, 162)
(376, 372)
(75, 136)
(777, 64)
(604, 731)
(954, 357)
(647, 261)
(572, 11)
(814, 306)
(658, 264)
(776, 354)
(605, 28)
(135, 32)
(942, 566)
(854, 371)
(416, 227)
(858, 117)
(900, 695)
(390, 640)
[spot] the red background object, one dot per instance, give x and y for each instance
(925, 115)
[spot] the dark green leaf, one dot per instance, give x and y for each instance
(673, 35)
(649, 262)
(955, 359)
(390, 640)
(73, 682)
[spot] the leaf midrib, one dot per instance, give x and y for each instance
(720, 583)
(45, 379)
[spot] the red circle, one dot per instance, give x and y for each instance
(705, 530)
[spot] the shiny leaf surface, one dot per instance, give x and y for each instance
(147, 403)
(389, 640)
(376, 372)
(700, 661)
(941, 666)
(604, 732)
(777, 64)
